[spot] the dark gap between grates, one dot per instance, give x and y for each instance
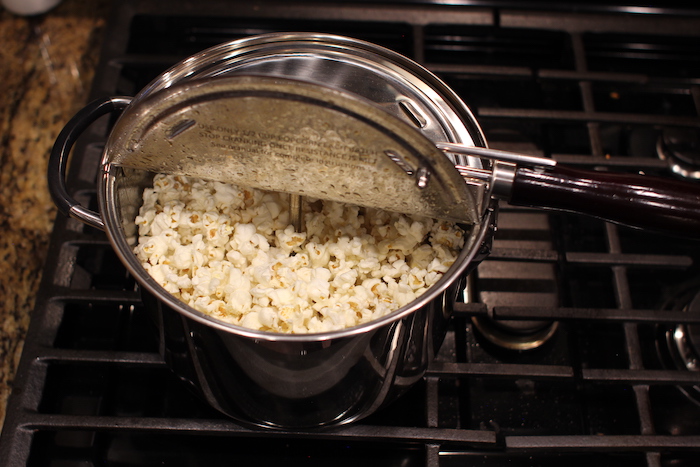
(101, 265)
(494, 90)
(69, 449)
(629, 140)
(655, 55)
(134, 76)
(543, 406)
(112, 389)
(487, 45)
(589, 287)
(579, 233)
(672, 415)
(189, 35)
(106, 326)
(565, 138)
(599, 345)
(514, 135)
(638, 242)
(648, 285)
(653, 99)
(550, 135)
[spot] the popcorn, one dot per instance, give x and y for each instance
(230, 252)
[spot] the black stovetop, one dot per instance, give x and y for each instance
(589, 87)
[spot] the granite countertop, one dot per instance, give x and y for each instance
(46, 68)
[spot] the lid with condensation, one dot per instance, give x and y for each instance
(291, 136)
(390, 81)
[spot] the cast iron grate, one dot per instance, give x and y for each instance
(92, 389)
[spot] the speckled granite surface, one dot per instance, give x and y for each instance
(46, 67)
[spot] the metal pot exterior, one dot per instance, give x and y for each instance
(302, 384)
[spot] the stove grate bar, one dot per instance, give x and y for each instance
(462, 309)
(558, 74)
(200, 427)
(562, 116)
(432, 455)
(372, 12)
(605, 76)
(507, 370)
(641, 377)
(624, 259)
(126, 297)
(607, 443)
(524, 254)
(98, 356)
(587, 314)
(549, 372)
(459, 69)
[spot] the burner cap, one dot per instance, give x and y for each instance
(680, 147)
(687, 337)
(680, 344)
(515, 335)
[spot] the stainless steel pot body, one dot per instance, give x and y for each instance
(299, 381)
(279, 380)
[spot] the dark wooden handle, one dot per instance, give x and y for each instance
(663, 205)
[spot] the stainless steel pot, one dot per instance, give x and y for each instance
(279, 380)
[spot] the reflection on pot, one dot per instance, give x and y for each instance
(303, 383)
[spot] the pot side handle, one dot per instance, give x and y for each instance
(659, 204)
(59, 157)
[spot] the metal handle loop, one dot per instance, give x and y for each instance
(59, 157)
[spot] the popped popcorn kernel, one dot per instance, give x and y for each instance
(230, 252)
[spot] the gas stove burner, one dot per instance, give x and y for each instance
(680, 147)
(515, 335)
(679, 345)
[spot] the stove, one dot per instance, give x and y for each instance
(577, 341)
